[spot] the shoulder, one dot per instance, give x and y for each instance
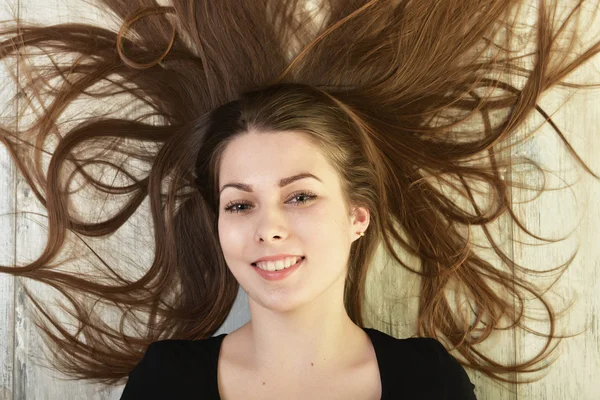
(171, 367)
(453, 375)
(425, 366)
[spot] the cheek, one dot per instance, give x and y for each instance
(230, 238)
(328, 235)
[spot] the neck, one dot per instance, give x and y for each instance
(315, 338)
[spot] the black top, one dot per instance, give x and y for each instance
(412, 368)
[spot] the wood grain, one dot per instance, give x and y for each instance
(7, 228)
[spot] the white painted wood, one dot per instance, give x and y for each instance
(556, 214)
(7, 227)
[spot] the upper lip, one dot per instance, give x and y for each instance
(274, 257)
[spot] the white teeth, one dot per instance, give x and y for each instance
(278, 265)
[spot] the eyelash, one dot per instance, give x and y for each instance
(311, 196)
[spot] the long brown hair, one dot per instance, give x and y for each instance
(403, 98)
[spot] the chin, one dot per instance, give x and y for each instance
(276, 302)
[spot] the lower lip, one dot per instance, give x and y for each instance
(277, 275)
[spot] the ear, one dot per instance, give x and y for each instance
(360, 222)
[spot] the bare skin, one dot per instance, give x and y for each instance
(356, 376)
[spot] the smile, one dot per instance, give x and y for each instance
(280, 274)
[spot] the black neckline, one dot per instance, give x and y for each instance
(372, 333)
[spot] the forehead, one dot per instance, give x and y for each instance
(266, 157)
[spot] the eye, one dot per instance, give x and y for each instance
(230, 208)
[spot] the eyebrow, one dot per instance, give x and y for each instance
(283, 182)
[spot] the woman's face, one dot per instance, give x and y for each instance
(270, 219)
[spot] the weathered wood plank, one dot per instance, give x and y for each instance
(32, 379)
(555, 214)
(7, 223)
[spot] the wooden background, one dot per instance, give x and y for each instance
(573, 376)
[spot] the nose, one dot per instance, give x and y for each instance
(276, 237)
(271, 226)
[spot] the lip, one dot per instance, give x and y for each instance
(278, 275)
(275, 257)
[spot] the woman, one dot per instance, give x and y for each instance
(372, 104)
(290, 186)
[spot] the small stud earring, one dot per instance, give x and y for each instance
(361, 234)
